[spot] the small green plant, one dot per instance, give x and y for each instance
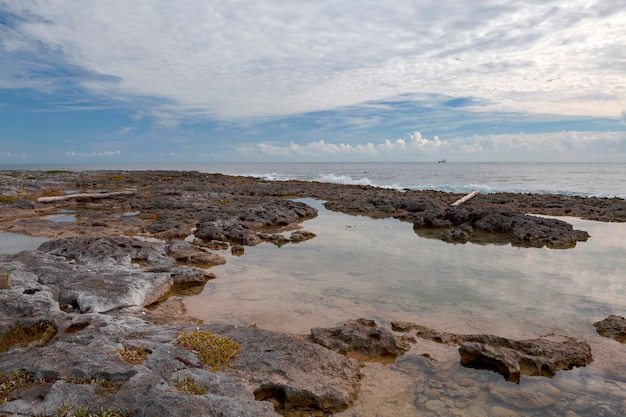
(11, 381)
(213, 350)
(134, 355)
(4, 281)
(58, 171)
(71, 410)
(41, 332)
(188, 385)
(110, 177)
(106, 386)
(8, 199)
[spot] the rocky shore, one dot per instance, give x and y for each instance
(99, 292)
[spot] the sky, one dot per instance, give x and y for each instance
(160, 81)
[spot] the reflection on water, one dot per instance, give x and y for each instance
(61, 218)
(379, 269)
(14, 243)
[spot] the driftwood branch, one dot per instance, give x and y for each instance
(91, 196)
(464, 199)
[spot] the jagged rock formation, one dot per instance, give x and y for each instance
(361, 338)
(543, 356)
(227, 210)
(613, 326)
(84, 300)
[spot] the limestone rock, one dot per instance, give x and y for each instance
(301, 235)
(527, 396)
(235, 209)
(83, 357)
(361, 337)
(498, 411)
(187, 253)
(511, 358)
(613, 326)
(519, 229)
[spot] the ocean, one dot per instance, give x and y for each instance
(586, 179)
(381, 269)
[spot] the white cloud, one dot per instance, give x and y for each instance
(168, 153)
(271, 58)
(93, 154)
(13, 156)
(575, 146)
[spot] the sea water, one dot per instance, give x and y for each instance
(587, 179)
(382, 270)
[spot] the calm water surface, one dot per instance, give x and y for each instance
(380, 269)
(14, 243)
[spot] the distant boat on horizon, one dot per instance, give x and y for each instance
(443, 161)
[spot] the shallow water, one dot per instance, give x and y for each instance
(380, 269)
(57, 218)
(14, 243)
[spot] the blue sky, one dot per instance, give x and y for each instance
(155, 81)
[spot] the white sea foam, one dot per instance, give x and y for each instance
(607, 180)
(449, 188)
(344, 179)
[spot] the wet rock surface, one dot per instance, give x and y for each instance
(613, 327)
(484, 225)
(241, 210)
(361, 338)
(538, 395)
(94, 306)
(442, 390)
(543, 356)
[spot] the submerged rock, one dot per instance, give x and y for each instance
(362, 338)
(528, 396)
(543, 356)
(613, 327)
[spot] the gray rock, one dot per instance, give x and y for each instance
(529, 396)
(301, 235)
(474, 224)
(185, 252)
(111, 252)
(362, 338)
(82, 361)
(543, 356)
(613, 327)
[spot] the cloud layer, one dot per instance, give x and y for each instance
(228, 60)
(560, 146)
(198, 80)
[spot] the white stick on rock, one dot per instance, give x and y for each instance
(464, 199)
(84, 196)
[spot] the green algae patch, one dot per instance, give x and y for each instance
(8, 199)
(11, 381)
(4, 281)
(135, 355)
(213, 350)
(72, 410)
(40, 333)
(189, 386)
